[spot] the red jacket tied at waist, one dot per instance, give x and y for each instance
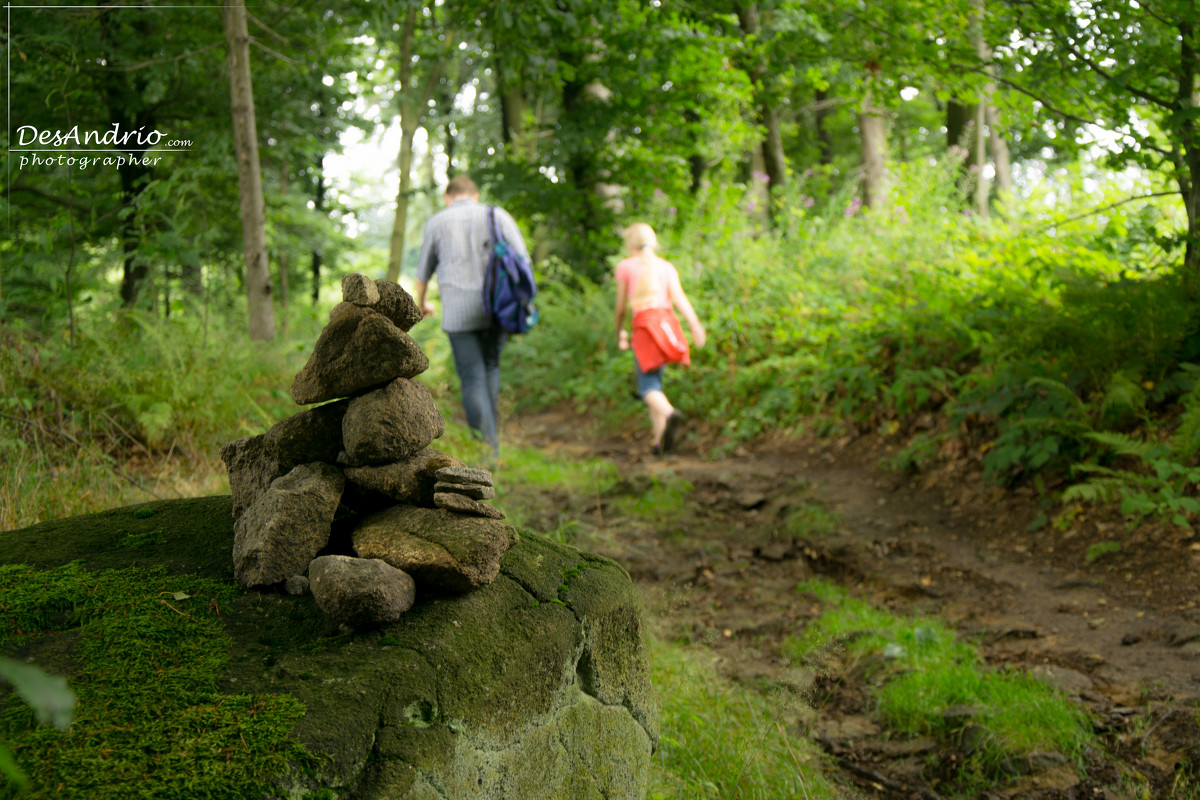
(658, 339)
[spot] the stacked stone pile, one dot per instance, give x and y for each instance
(419, 517)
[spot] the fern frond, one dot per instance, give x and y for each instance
(1186, 441)
(1123, 396)
(1062, 390)
(1122, 444)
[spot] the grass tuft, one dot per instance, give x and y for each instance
(719, 741)
(923, 671)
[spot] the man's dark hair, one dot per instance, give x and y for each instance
(461, 186)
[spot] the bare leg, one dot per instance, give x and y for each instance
(660, 408)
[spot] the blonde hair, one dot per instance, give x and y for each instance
(640, 239)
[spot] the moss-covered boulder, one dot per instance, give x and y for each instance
(533, 687)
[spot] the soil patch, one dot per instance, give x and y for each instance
(1119, 629)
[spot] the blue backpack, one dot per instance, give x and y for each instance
(508, 284)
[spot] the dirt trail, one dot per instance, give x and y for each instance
(1122, 633)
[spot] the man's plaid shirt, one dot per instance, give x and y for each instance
(457, 247)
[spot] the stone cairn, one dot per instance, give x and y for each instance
(357, 475)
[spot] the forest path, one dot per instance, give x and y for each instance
(1122, 633)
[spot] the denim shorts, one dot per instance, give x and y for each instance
(648, 381)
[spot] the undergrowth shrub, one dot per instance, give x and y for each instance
(133, 408)
(1025, 334)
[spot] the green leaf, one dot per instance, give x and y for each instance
(9, 768)
(48, 695)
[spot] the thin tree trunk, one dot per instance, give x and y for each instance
(319, 205)
(250, 192)
(1189, 171)
(774, 160)
(408, 130)
(874, 146)
(999, 148)
(283, 259)
(411, 101)
(1000, 156)
(979, 185)
(824, 137)
(979, 146)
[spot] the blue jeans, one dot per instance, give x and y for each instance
(477, 361)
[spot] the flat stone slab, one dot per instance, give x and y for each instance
(410, 480)
(287, 526)
(390, 424)
(358, 350)
(450, 551)
(474, 491)
(360, 592)
(465, 474)
(465, 505)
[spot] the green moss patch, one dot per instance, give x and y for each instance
(930, 682)
(144, 652)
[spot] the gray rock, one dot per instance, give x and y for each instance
(287, 526)
(398, 305)
(359, 289)
(474, 491)
(1183, 634)
(390, 424)
(360, 592)
(1032, 763)
(312, 435)
(359, 349)
(1065, 680)
(251, 469)
(474, 475)
(465, 505)
(296, 585)
(410, 480)
(437, 547)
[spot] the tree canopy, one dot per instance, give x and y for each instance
(578, 116)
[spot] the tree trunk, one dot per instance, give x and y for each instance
(319, 207)
(772, 149)
(874, 146)
(283, 259)
(412, 100)
(979, 185)
(958, 119)
(121, 90)
(824, 137)
(774, 161)
(408, 130)
(979, 146)
(513, 107)
(1000, 157)
(250, 192)
(1189, 172)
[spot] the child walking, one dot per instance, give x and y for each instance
(649, 287)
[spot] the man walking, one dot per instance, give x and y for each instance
(457, 247)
